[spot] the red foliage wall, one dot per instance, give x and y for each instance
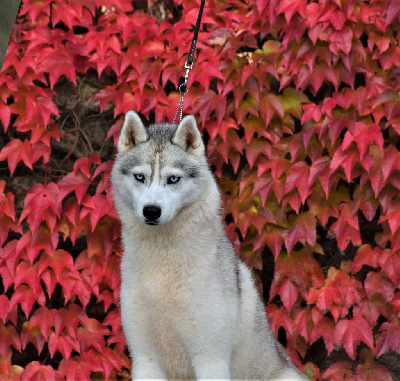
(299, 104)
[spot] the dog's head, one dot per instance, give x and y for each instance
(160, 169)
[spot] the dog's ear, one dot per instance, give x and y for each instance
(187, 136)
(133, 132)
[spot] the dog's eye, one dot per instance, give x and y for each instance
(173, 179)
(138, 177)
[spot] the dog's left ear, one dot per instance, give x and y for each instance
(187, 136)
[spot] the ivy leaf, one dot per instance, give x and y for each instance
(372, 372)
(371, 309)
(58, 62)
(42, 204)
(389, 339)
(26, 273)
(393, 218)
(366, 256)
(65, 344)
(75, 368)
(5, 115)
(325, 328)
(26, 297)
(43, 318)
(339, 371)
(16, 151)
(32, 335)
(303, 230)
(9, 336)
(298, 177)
(363, 135)
(73, 182)
(287, 291)
(92, 335)
(379, 282)
(341, 40)
(350, 332)
(345, 158)
(389, 260)
(35, 371)
(270, 105)
(346, 228)
(4, 307)
(279, 317)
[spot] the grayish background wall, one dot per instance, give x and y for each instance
(8, 13)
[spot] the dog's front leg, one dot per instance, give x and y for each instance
(211, 367)
(144, 368)
(209, 337)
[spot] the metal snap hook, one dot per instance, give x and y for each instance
(183, 89)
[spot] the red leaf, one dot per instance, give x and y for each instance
(393, 218)
(44, 319)
(320, 170)
(390, 338)
(270, 105)
(303, 230)
(287, 266)
(32, 335)
(363, 135)
(6, 202)
(369, 309)
(339, 371)
(298, 177)
(389, 260)
(287, 291)
(366, 256)
(341, 40)
(339, 293)
(58, 62)
(35, 371)
(75, 368)
(4, 307)
(5, 115)
(65, 344)
(379, 282)
(16, 151)
(325, 328)
(392, 12)
(345, 158)
(279, 317)
(26, 273)
(84, 164)
(289, 8)
(58, 261)
(42, 204)
(303, 321)
(351, 332)
(372, 372)
(26, 297)
(346, 228)
(9, 336)
(73, 181)
(92, 335)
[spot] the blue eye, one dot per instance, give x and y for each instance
(139, 177)
(173, 180)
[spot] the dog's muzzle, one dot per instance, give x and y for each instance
(151, 214)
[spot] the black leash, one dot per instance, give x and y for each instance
(183, 88)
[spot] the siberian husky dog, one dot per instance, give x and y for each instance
(190, 309)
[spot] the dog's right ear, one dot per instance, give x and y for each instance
(133, 132)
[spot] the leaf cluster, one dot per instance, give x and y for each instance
(298, 103)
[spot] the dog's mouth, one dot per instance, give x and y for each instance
(147, 222)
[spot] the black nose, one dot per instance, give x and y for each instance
(151, 213)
